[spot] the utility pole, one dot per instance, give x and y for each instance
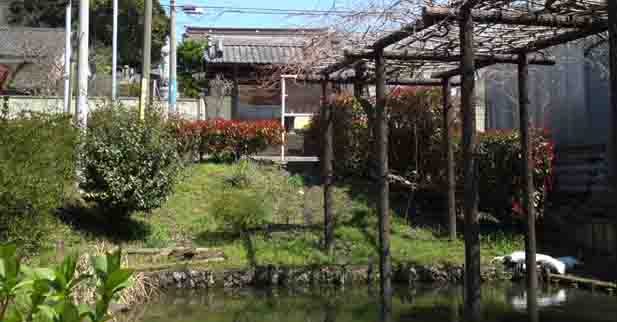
(81, 113)
(172, 58)
(114, 55)
(145, 67)
(67, 60)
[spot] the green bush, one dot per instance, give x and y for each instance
(500, 182)
(129, 164)
(37, 154)
(413, 114)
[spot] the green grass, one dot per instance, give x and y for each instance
(187, 219)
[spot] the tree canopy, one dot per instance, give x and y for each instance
(50, 13)
(190, 61)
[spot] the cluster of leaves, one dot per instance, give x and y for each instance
(414, 116)
(500, 167)
(351, 136)
(190, 61)
(226, 139)
(46, 294)
(129, 164)
(37, 162)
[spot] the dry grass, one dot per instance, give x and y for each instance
(142, 289)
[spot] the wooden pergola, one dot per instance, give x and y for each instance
(456, 40)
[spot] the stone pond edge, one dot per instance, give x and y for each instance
(320, 275)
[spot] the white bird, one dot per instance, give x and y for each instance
(555, 265)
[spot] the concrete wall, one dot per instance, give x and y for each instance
(570, 99)
(4, 12)
(188, 108)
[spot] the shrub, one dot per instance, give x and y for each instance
(500, 165)
(227, 139)
(413, 114)
(416, 113)
(37, 154)
(129, 164)
(47, 294)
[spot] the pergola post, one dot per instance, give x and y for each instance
(472, 240)
(612, 139)
(327, 159)
(383, 202)
(448, 120)
(526, 151)
(235, 94)
(358, 81)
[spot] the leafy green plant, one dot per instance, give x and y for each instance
(129, 164)
(46, 294)
(241, 205)
(37, 162)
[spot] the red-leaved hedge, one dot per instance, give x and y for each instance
(226, 139)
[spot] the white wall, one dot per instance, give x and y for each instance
(188, 108)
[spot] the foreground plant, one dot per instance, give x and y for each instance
(47, 294)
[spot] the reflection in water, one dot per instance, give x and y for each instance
(520, 300)
(427, 304)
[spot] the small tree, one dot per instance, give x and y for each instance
(190, 61)
(129, 165)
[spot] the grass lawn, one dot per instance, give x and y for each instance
(292, 202)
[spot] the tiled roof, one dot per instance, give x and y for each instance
(251, 46)
(21, 42)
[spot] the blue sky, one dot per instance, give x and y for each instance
(213, 19)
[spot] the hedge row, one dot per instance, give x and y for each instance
(226, 139)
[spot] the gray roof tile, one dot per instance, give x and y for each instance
(31, 42)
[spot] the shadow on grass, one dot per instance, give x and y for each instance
(97, 222)
(360, 220)
(222, 238)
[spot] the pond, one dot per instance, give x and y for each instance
(501, 303)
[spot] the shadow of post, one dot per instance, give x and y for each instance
(250, 249)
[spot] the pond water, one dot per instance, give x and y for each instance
(501, 303)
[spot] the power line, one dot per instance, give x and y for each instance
(279, 11)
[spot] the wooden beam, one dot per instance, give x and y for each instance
(472, 226)
(512, 59)
(390, 82)
(407, 55)
(383, 200)
(448, 122)
(327, 160)
(432, 15)
(469, 4)
(562, 38)
(346, 62)
(398, 35)
(527, 175)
